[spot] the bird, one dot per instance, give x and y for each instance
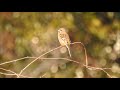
(64, 39)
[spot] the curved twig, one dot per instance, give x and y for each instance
(36, 58)
(84, 50)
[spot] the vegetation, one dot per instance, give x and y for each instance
(25, 36)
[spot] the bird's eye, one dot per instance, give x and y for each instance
(60, 30)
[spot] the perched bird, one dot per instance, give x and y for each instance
(64, 39)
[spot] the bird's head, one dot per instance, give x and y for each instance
(61, 30)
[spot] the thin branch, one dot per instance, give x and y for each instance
(106, 73)
(8, 71)
(88, 67)
(102, 69)
(51, 58)
(11, 72)
(25, 76)
(43, 75)
(86, 59)
(53, 50)
(15, 75)
(95, 68)
(16, 60)
(37, 59)
(63, 59)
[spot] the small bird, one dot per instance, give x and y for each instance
(64, 39)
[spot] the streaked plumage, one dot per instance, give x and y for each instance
(64, 39)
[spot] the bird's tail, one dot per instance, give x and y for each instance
(68, 50)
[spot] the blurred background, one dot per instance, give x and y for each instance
(32, 34)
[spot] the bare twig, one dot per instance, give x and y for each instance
(6, 73)
(13, 73)
(53, 50)
(88, 67)
(36, 58)
(25, 76)
(43, 75)
(102, 69)
(84, 50)
(106, 73)
(16, 60)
